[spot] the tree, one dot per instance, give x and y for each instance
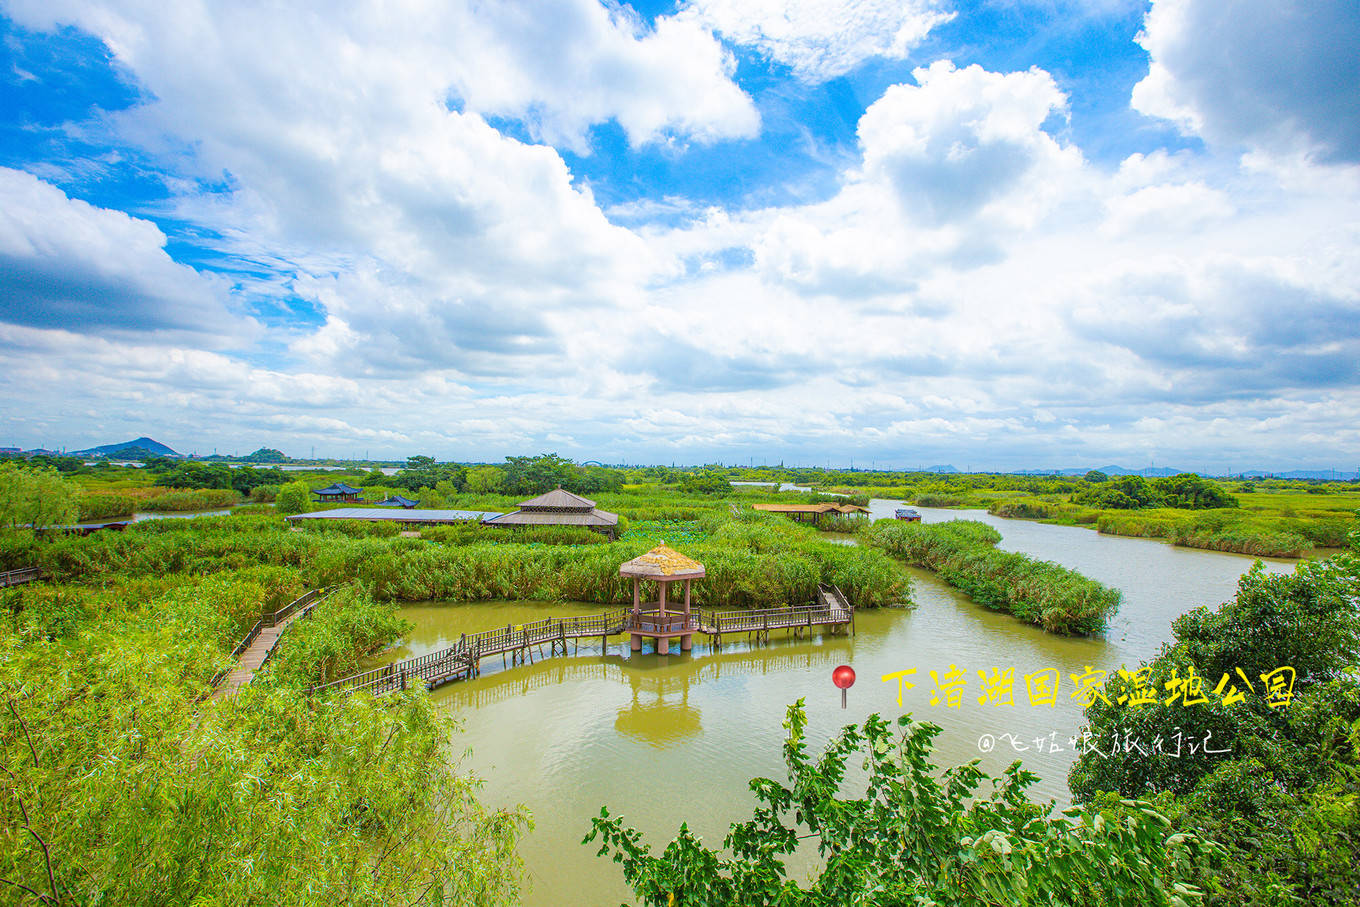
(1191, 492)
(484, 479)
(536, 475)
(295, 497)
(1284, 793)
(912, 838)
(266, 455)
(1096, 476)
(38, 498)
(706, 481)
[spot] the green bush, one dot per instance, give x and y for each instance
(1284, 792)
(912, 837)
(1037, 592)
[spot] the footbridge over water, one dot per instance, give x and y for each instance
(463, 660)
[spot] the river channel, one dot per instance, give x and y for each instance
(666, 739)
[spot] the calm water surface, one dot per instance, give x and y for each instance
(663, 739)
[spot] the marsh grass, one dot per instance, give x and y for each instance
(962, 553)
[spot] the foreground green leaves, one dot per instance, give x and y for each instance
(120, 784)
(1284, 795)
(912, 838)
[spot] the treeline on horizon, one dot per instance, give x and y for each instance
(1271, 517)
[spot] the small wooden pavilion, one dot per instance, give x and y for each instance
(812, 513)
(397, 500)
(559, 508)
(663, 566)
(338, 493)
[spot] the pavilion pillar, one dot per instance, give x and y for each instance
(687, 641)
(637, 642)
(662, 601)
(663, 645)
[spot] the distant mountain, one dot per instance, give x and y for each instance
(1339, 475)
(940, 469)
(1108, 470)
(149, 445)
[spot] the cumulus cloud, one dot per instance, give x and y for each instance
(67, 264)
(821, 39)
(954, 169)
(355, 178)
(1284, 77)
(560, 65)
(960, 139)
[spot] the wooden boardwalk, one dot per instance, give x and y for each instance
(22, 575)
(463, 660)
(254, 651)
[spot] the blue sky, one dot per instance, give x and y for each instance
(1002, 234)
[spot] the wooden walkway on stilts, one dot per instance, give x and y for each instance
(463, 660)
(22, 575)
(254, 651)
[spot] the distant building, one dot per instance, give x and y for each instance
(398, 501)
(339, 493)
(559, 508)
(908, 514)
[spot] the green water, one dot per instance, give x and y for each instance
(663, 739)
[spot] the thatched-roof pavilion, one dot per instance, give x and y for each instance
(812, 513)
(663, 566)
(559, 508)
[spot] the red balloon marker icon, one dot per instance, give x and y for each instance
(843, 677)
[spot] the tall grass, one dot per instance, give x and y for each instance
(1037, 592)
(753, 560)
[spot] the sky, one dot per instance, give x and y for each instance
(997, 234)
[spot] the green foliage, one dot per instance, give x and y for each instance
(754, 561)
(218, 475)
(122, 786)
(333, 639)
(105, 506)
(263, 494)
(1096, 476)
(1285, 797)
(1185, 491)
(1037, 592)
(266, 455)
(912, 838)
(37, 498)
(295, 497)
(184, 501)
(705, 481)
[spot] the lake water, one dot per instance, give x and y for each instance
(665, 739)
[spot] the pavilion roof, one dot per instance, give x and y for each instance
(338, 488)
(559, 501)
(662, 561)
(825, 507)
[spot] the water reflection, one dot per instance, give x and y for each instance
(566, 735)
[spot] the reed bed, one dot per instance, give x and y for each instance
(752, 560)
(1037, 592)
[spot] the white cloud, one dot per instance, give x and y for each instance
(822, 39)
(65, 263)
(1284, 77)
(560, 65)
(410, 223)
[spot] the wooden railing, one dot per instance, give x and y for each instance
(302, 606)
(470, 648)
(463, 656)
(22, 575)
